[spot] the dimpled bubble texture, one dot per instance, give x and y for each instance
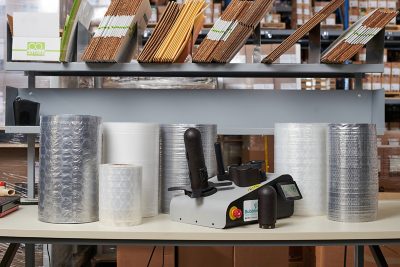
(173, 164)
(120, 194)
(300, 150)
(138, 144)
(353, 172)
(69, 168)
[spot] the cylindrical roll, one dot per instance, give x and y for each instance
(69, 168)
(173, 164)
(300, 150)
(353, 172)
(120, 187)
(137, 144)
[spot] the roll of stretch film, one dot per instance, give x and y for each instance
(137, 144)
(120, 187)
(300, 150)
(69, 162)
(353, 172)
(173, 164)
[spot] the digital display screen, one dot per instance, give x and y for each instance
(290, 190)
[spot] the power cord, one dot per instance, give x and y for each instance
(345, 256)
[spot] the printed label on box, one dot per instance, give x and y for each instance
(353, 3)
(394, 163)
(250, 210)
(36, 49)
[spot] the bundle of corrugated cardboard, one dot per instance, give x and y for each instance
(358, 35)
(113, 39)
(173, 35)
(303, 30)
(232, 30)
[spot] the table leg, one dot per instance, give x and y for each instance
(359, 256)
(378, 256)
(9, 255)
(29, 255)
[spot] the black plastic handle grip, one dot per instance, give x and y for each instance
(195, 157)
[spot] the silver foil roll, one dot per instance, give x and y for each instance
(353, 172)
(300, 150)
(120, 188)
(69, 168)
(173, 164)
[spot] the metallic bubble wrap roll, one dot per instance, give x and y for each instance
(353, 172)
(69, 168)
(120, 194)
(173, 164)
(300, 150)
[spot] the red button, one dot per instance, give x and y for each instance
(2, 183)
(237, 213)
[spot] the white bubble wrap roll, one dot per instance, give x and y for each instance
(300, 150)
(137, 144)
(120, 194)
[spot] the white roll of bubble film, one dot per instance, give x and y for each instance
(137, 144)
(120, 190)
(300, 151)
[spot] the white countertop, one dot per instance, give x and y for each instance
(24, 223)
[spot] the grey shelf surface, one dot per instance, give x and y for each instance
(392, 100)
(22, 129)
(194, 70)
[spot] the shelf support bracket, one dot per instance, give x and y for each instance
(375, 48)
(9, 255)
(314, 47)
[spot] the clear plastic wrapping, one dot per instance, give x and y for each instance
(353, 172)
(300, 150)
(69, 162)
(137, 144)
(120, 188)
(173, 164)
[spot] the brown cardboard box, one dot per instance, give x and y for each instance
(233, 256)
(205, 256)
(334, 256)
(145, 256)
(261, 256)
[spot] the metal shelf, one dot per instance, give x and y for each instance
(194, 70)
(392, 101)
(23, 129)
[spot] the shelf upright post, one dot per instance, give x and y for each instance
(314, 47)
(359, 256)
(30, 248)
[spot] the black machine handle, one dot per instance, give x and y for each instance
(221, 175)
(195, 157)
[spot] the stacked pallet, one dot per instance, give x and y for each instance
(173, 33)
(232, 30)
(357, 36)
(112, 41)
(322, 15)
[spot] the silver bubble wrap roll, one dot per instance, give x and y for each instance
(353, 172)
(120, 194)
(173, 164)
(69, 168)
(300, 150)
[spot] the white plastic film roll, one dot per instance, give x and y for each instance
(137, 144)
(300, 150)
(120, 190)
